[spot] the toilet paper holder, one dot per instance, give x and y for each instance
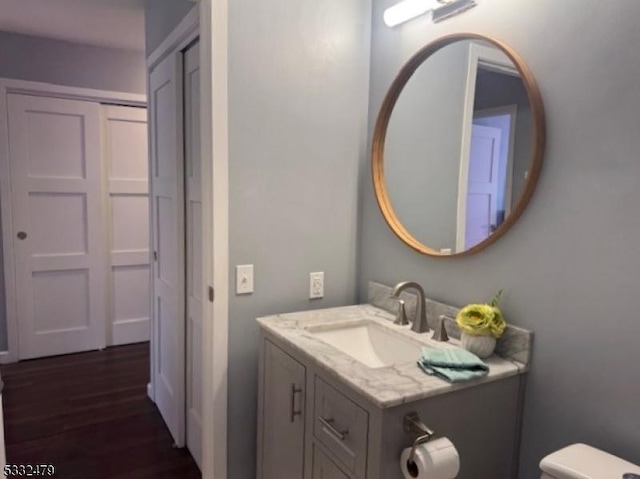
(413, 425)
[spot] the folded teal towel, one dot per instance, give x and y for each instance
(452, 364)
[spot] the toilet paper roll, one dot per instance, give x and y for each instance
(437, 459)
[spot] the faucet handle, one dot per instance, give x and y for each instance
(401, 316)
(440, 334)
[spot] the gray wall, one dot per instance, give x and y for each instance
(569, 267)
(422, 148)
(46, 60)
(298, 86)
(161, 17)
(65, 63)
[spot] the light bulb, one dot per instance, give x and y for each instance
(408, 9)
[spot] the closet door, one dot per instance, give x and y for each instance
(195, 286)
(167, 179)
(58, 216)
(127, 165)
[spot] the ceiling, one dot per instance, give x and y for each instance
(107, 23)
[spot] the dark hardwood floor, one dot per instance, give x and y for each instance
(88, 414)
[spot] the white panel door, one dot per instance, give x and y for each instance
(127, 164)
(167, 186)
(58, 215)
(482, 192)
(194, 275)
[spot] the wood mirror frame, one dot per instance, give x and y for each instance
(380, 132)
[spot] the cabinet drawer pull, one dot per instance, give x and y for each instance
(292, 409)
(328, 425)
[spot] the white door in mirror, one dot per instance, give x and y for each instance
(316, 285)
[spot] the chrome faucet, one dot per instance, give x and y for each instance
(401, 317)
(420, 324)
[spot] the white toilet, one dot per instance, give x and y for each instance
(580, 461)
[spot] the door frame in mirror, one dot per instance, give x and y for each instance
(478, 55)
(379, 137)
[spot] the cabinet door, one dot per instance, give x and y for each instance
(283, 415)
(324, 468)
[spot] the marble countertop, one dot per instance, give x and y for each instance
(385, 387)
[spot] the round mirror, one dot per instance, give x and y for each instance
(458, 145)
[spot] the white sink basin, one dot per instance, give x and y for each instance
(370, 343)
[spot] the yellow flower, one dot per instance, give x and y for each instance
(497, 324)
(481, 320)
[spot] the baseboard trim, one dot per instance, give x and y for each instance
(130, 331)
(7, 358)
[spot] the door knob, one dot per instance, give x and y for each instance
(22, 235)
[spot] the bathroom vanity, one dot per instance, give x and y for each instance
(336, 384)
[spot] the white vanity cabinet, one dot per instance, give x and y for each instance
(324, 468)
(283, 415)
(341, 426)
(313, 425)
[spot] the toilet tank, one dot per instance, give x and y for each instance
(580, 461)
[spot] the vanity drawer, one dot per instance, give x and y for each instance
(323, 468)
(341, 426)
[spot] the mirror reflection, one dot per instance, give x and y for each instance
(458, 146)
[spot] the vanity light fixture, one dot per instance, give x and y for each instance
(442, 9)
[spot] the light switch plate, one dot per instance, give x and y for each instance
(244, 279)
(316, 285)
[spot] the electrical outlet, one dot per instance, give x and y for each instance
(316, 285)
(244, 279)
